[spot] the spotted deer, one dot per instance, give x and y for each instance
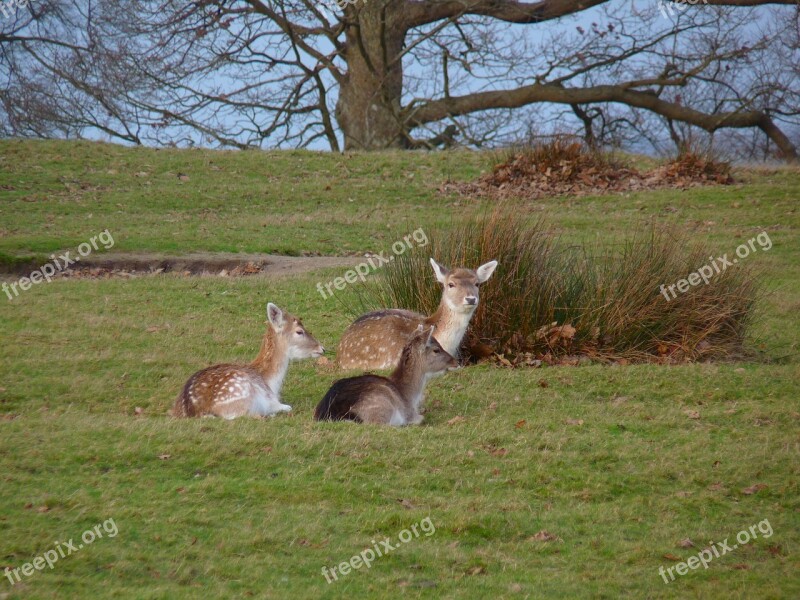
(393, 400)
(231, 391)
(375, 340)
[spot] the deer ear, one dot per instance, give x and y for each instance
(440, 271)
(275, 316)
(485, 271)
(430, 335)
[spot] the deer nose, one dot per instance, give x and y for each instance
(471, 300)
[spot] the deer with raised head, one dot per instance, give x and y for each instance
(376, 339)
(393, 400)
(231, 391)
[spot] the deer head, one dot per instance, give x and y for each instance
(461, 285)
(423, 355)
(291, 339)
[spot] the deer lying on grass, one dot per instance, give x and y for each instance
(393, 400)
(375, 340)
(231, 391)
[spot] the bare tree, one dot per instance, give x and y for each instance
(248, 73)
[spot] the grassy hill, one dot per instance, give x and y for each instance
(553, 482)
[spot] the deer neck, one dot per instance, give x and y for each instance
(272, 361)
(410, 381)
(450, 326)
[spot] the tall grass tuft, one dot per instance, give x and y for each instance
(557, 301)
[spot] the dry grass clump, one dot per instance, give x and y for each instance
(552, 302)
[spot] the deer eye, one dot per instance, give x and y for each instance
(451, 285)
(436, 351)
(300, 332)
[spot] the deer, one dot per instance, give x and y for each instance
(394, 400)
(375, 340)
(230, 390)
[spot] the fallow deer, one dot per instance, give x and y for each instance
(393, 400)
(230, 391)
(375, 340)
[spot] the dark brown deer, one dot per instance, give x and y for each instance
(393, 400)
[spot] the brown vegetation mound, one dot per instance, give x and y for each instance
(569, 168)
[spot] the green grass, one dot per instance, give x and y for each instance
(606, 458)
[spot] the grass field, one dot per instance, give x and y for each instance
(618, 465)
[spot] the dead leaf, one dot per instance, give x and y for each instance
(267, 449)
(670, 556)
(493, 406)
(164, 456)
(577, 422)
(456, 419)
(686, 543)
(683, 494)
(520, 424)
(567, 332)
(502, 360)
(138, 410)
(476, 570)
(741, 567)
(43, 509)
(754, 489)
(153, 329)
(692, 414)
(405, 503)
(543, 383)
(775, 550)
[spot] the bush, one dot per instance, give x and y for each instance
(548, 300)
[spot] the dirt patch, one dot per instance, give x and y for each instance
(569, 169)
(218, 264)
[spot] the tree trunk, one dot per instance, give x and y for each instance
(368, 108)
